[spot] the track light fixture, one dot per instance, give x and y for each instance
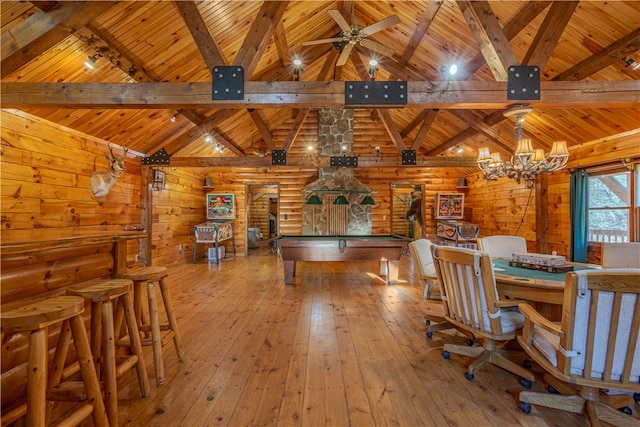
(373, 68)
(175, 116)
(90, 62)
(297, 68)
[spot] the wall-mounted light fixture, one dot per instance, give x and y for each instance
(297, 69)
(158, 180)
(90, 62)
(373, 68)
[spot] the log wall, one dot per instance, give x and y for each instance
(504, 207)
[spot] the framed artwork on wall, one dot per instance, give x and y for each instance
(449, 205)
(221, 206)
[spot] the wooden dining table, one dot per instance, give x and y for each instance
(542, 289)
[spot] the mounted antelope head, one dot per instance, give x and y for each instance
(102, 181)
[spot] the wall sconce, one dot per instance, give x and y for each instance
(373, 68)
(89, 63)
(297, 69)
(158, 180)
(377, 151)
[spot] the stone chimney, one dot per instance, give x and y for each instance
(335, 138)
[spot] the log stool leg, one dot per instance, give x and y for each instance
(173, 324)
(152, 326)
(103, 293)
(36, 319)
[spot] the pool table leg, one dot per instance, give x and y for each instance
(392, 276)
(289, 271)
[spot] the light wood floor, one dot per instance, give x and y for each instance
(338, 348)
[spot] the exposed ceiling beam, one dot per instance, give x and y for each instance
(607, 56)
(421, 29)
(417, 120)
(521, 19)
(41, 31)
(424, 128)
(295, 128)
(478, 124)
(207, 126)
(174, 95)
(207, 45)
(262, 29)
(262, 128)
(320, 162)
(453, 141)
(493, 44)
(549, 33)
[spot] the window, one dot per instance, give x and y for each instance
(611, 206)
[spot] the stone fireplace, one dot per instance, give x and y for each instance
(335, 138)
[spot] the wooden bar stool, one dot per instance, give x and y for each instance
(148, 276)
(103, 294)
(36, 318)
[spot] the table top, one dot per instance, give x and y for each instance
(342, 237)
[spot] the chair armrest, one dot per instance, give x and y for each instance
(503, 303)
(533, 316)
(427, 277)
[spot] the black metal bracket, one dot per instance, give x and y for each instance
(228, 82)
(344, 161)
(372, 92)
(160, 157)
(523, 82)
(278, 157)
(409, 157)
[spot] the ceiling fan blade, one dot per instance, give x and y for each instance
(381, 25)
(312, 42)
(342, 23)
(377, 47)
(346, 51)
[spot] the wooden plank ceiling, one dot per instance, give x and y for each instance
(154, 60)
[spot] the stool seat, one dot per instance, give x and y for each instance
(152, 273)
(100, 289)
(36, 319)
(41, 314)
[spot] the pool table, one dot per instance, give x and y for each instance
(385, 248)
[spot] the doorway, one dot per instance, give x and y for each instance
(403, 197)
(262, 215)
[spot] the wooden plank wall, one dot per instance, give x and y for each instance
(46, 191)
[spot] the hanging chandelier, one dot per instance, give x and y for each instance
(526, 164)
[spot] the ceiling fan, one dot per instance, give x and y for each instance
(352, 34)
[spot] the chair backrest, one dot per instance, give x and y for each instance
(420, 250)
(468, 287)
(502, 246)
(621, 255)
(601, 324)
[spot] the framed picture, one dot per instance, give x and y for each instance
(221, 206)
(449, 205)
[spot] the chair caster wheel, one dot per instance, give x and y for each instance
(427, 322)
(527, 363)
(626, 410)
(429, 334)
(525, 407)
(636, 397)
(446, 354)
(469, 376)
(525, 383)
(469, 343)
(551, 389)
